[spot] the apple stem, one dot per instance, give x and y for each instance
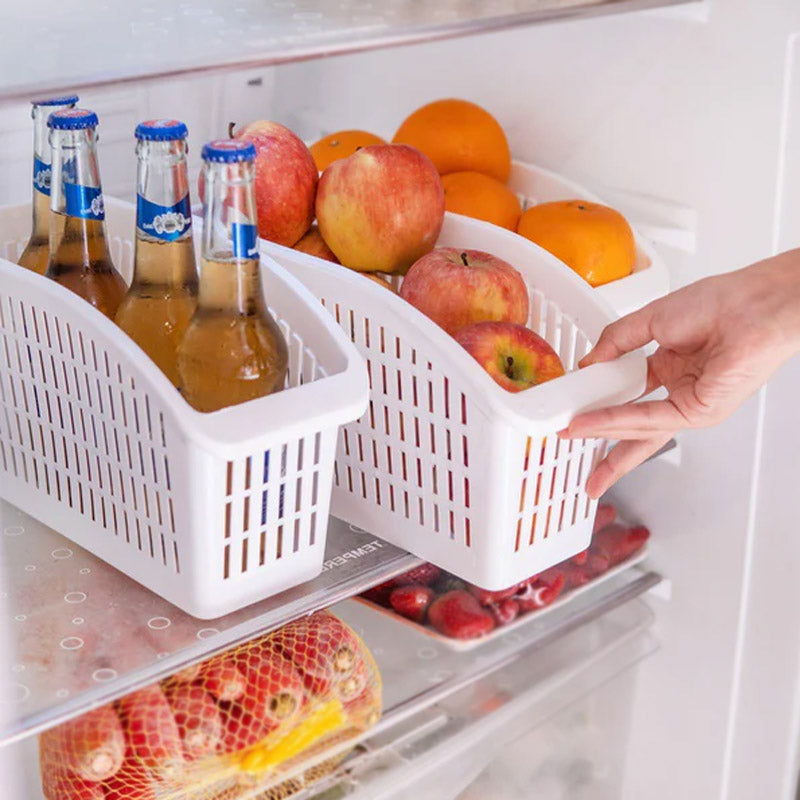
(510, 361)
(231, 126)
(464, 259)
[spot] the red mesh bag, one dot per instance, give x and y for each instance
(262, 714)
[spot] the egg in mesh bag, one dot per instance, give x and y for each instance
(245, 719)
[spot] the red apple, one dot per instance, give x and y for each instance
(515, 356)
(456, 288)
(381, 208)
(286, 181)
(313, 244)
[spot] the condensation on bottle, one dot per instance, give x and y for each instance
(37, 252)
(79, 256)
(233, 350)
(162, 297)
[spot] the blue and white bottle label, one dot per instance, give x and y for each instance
(245, 240)
(84, 201)
(167, 223)
(41, 176)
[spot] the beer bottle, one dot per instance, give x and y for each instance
(163, 295)
(79, 256)
(37, 251)
(233, 350)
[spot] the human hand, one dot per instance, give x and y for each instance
(718, 340)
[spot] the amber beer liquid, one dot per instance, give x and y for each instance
(37, 252)
(162, 297)
(233, 350)
(79, 255)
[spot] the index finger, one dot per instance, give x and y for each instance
(626, 334)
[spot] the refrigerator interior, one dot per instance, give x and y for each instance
(688, 120)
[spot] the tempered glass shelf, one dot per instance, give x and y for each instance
(82, 633)
(441, 704)
(94, 42)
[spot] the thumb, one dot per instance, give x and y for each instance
(626, 334)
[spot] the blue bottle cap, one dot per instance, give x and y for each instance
(64, 100)
(228, 151)
(161, 130)
(72, 119)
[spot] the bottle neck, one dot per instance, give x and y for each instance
(75, 189)
(163, 215)
(231, 279)
(41, 165)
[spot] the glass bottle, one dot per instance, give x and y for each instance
(79, 255)
(37, 251)
(163, 294)
(233, 350)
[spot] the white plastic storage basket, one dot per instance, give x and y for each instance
(210, 511)
(447, 464)
(649, 279)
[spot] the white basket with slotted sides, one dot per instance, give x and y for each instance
(446, 463)
(210, 511)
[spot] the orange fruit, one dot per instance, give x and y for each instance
(458, 136)
(341, 144)
(595, 240)
(477, 195)
(379, 279)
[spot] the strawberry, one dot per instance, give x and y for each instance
(323, 649)
(59, 783)
(605, 515)
(379, 594)
(92, 746)
(449, 583)
(543, 592)
(425, 574)
(459, 615)
(412, 601)
(596, 564)
(222, 679)
(151, 733)
(197, 718)
(580, 559)
(617, 542)
(574, 576)
(505, 611)
(486, 597)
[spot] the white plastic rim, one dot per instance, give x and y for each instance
(446, 463)
(210, 511)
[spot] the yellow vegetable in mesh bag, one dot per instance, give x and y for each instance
(217, 730)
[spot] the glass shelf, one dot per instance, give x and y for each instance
(442, 705)
(83, 633)
(95, 43)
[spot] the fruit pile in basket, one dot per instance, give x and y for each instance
(249, 717)
(379, 205)
(460, 610)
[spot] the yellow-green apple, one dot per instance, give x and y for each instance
(313, 244)
(381, 208)
(456, 288)
(514, 356)
(286, 181)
